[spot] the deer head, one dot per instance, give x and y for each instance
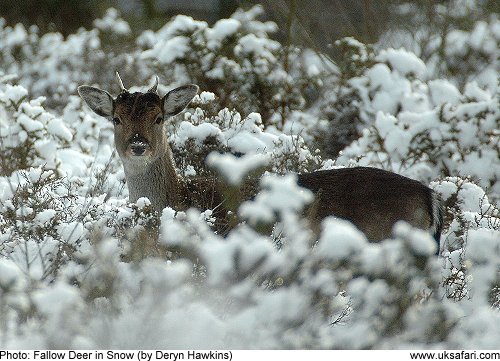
(139, 119)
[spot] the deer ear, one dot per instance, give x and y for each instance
(100, 101)
(177, 99)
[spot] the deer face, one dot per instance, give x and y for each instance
(139, 118)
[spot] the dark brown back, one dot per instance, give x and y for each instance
(372, 199)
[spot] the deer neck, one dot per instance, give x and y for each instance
(156, 180)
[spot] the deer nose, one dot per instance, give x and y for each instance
(138, 148)
(138, 145)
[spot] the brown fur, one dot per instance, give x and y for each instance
(372, 199)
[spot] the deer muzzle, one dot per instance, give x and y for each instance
(138, 145)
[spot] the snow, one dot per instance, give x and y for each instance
(143, 202)
(45, 216)
(168, 51)
(221, 30)
(280, 195)
(9, 273)
(16, 36)
(482, 244)
(234, 169)
(13, 93)
(395, 140)
(404, 62)
(76, 258)
(257, 46)
(473, 91)
(173, 233)
(478, 35)
(74, 162)
(47, 150)
(379, 75)
(62, 295)
(113, 23)
(72, 231)
(339, 240)
(179, 24)
(200, 132)
(204, 97)
(28, 124)
(442, 91)
(420, 241)
(57, 127)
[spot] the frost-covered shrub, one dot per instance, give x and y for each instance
(469, 55)
(83, 57)
(237, 60)
(424, 128)
(29, 135)
(41, 224)
(345, 117)
(82, 268)
(245, 292)
(457, 39)
(469, 214)
(206, 130)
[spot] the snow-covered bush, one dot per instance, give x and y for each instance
(208, 129)
(418, 126)
(458, 39)
(82, 268)
(469, 215)
(345, 117)
(237, 60)
(83, 57)
(29, 135)
(469, 55)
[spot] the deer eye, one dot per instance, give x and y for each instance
(116, 121)
(159, 119)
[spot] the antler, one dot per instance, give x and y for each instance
(121, 83)
(154, 88)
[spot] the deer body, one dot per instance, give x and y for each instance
(371, 198)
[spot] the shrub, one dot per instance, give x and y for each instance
(82, 268)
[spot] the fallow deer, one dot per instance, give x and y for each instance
(372, 199)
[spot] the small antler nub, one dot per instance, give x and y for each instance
(154, 88)
(122, 88)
